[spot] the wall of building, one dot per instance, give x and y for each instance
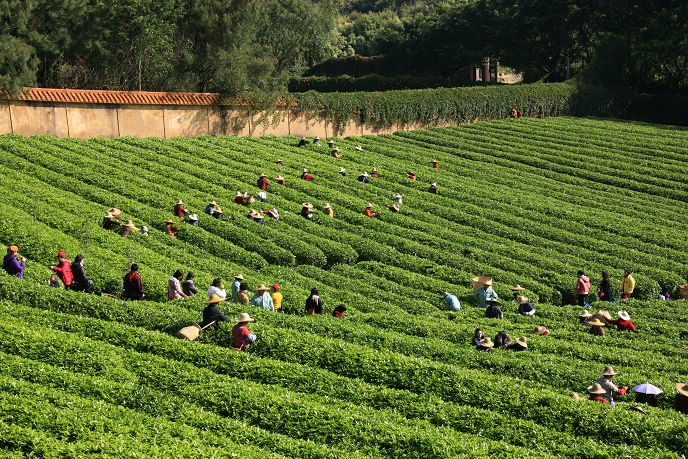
(86, 120)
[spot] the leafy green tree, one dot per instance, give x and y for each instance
(18, 60)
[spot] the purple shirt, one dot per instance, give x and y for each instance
(12, 266)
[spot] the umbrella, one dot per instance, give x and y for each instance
(647, 388)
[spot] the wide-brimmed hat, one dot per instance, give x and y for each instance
(279, 177)
(330, 141)
(364, 174)
(303, 138)
(179, 201)
(218, 210)
(255, 214)
(596, 322)
(682, 389)
(523, 341)
(244, 317)
(129, 224)
(278, 161)
(596, 389)
(261, 287)
(239, 276)
(327, 206)
(395, 206)
(540, 330)
(316, 138)
(213, 203)
(109, 215)
(307, 205)
(335, 149)
(575, 396)
(193, 217)
(214, 298)
(522, 299)
(585, 313)
(369, 206)
(494, 301)
(341, 169)
(624, 315)
(114, 211)
(61, 255)
(487, 282)
(305, 170)
(433, 161)
(169, 221)
(486, 342)
(275, 287)
(397, 195)
(374, 169)
(358, 148)
(13, 248)
(238, 193)
(608, 371)
(433, 184)
(517, 287)
(262, 175)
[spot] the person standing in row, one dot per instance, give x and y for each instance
(485, 294)
(241, 335)
(174, 286)
(13, 263)
(109, 221)
(133, 287)
(263, 181)
(451, 302)
(212, 313)
(582, 288)
(493, 311)
(276, 298)
(236, 283)
(80, 282)
(262, 299)
(217, 288)
(609, 387)
(242, 295)
(339, 311)
(368, 212)
(307, 210)
(179, 209)
(605, 286)
(327, 208)
(188, 286)
(627, 285)
(64, 269)
(210, 208)
(313, 303)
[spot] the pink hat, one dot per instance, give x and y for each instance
(275, 287)
(61, 255)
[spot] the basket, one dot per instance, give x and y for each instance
(479, 282)
(189, 333)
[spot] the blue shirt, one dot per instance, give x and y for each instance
(210, 209)
(235, 289)
(452, 302)
(263, 301)
(484, 295)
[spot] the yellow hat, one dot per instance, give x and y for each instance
(214, 298)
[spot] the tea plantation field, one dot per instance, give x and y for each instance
(528, 201)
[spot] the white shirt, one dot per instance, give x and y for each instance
(218, 291)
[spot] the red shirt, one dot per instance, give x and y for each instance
(597, 398)
(622, 324)
(436, 165)
(263, 183)
(307, 177)
(240, 334)
(64, 270)
(368, 212)
(412, 176)
(239, 200)
(583, 285)
(179, 210)
(338, 314)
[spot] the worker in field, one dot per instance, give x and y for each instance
(516, 291)
(256, 216)
(54, 281)
(314, 303)
(210, 208)
(192, 220)
(604, 292)
(435, 164)
(485, 345)
(132, 285)
(303, 142)
(681, 398)
(280, 180)
(411, 175)
(342, 171)
(330, 143)
(623, 323)
(339, 311)
(609, 387)
(316, 141)
(274, 213)
(584, 316)
(368, 212)
(262, 299)
(279, 162)
(394, 208)
(627, 285)
(307, 210)
(127, 228)
(451, 302)
(170, 229)
(174, 286)
(521, 344)
(596, 326)
(239, 198)
(179, 209)
(374, 173)
(276, 297)
(540, 330)
(398, 198)
(335, 153)
(263, 182)
(13, 263)
(433, 188)
(242, 296)
(189, 286)
(212, 313)
(502, 340)
(525, 308)
(236, 283)
(306, 176)
(81, 282)
(217, 288)
(327, 208)
(109, 220)
(364, 178)
(241, 335)
(477, 337)
(263, 196)
(64, 269)
(218, 214)
(485, 294)
(493, 310)
(358, 148)
(596, 392)
(582, 289)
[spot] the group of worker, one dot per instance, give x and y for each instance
(503, 340)
(582, 289)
